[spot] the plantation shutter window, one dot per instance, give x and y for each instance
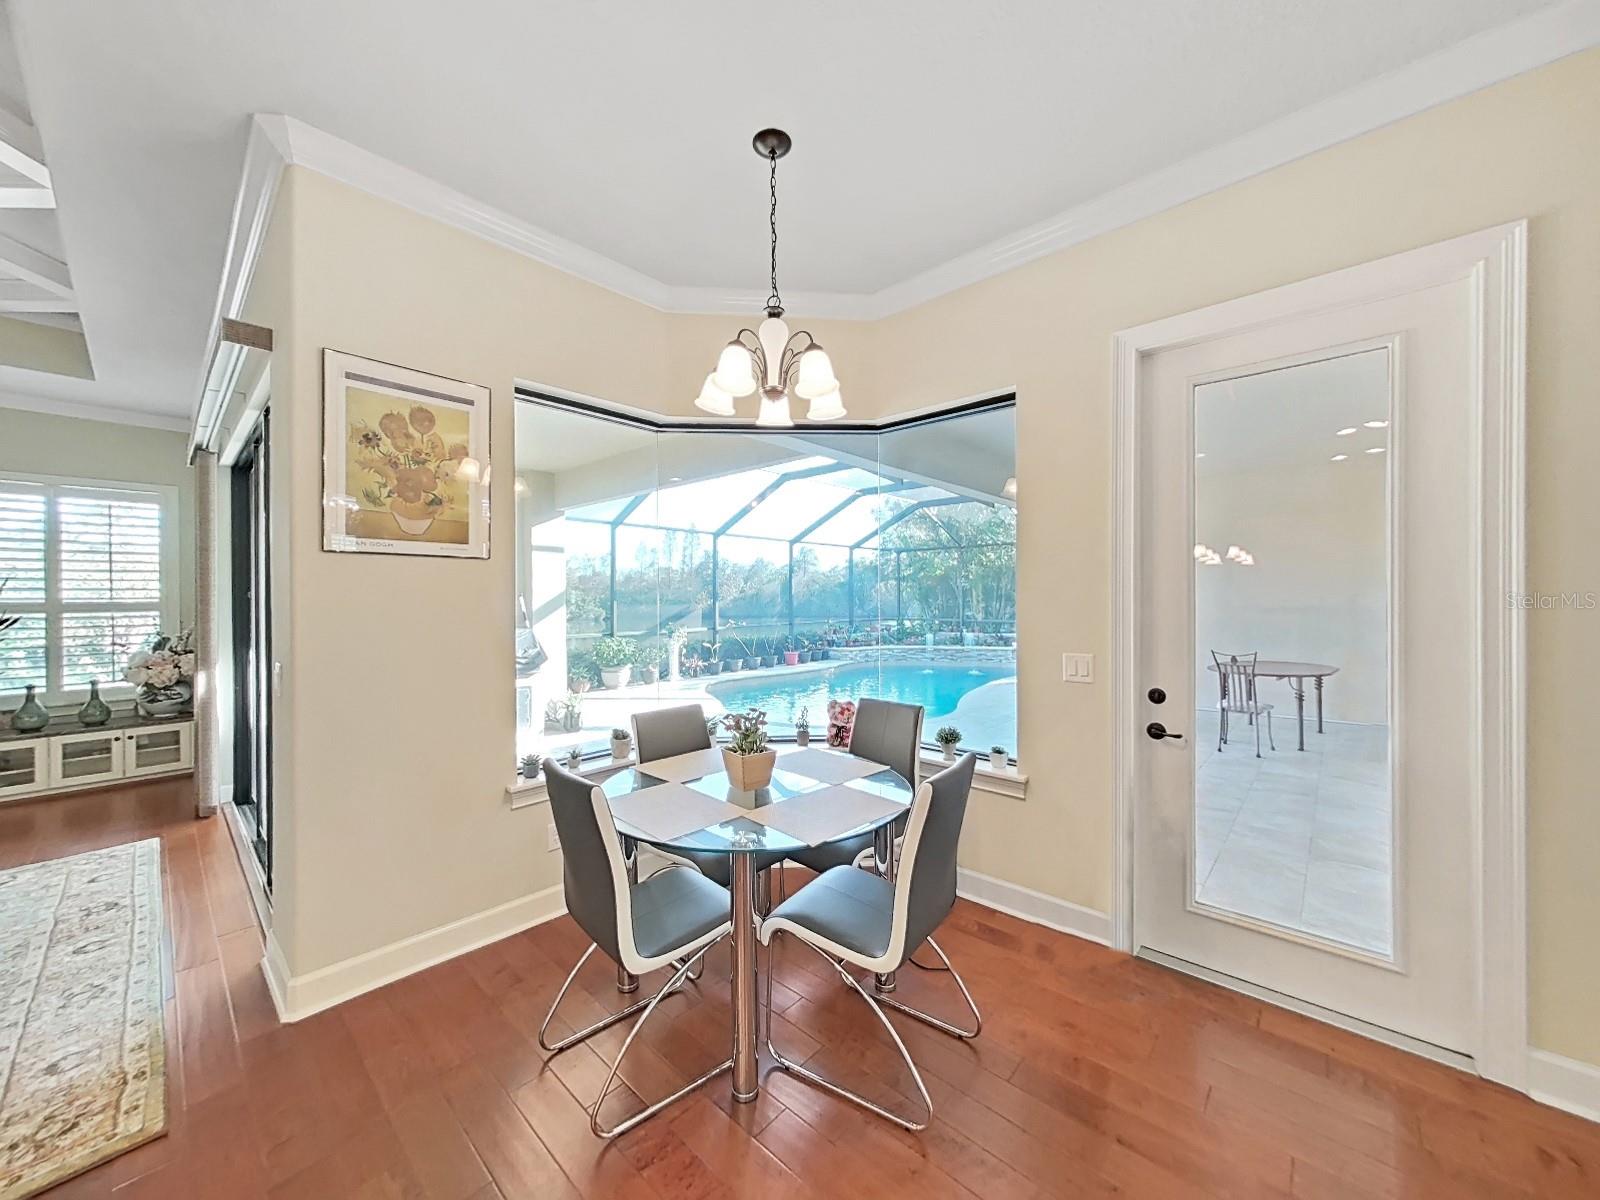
(86, 569)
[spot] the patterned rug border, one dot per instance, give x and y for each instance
(147, 876)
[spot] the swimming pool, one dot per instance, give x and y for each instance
(980, 699)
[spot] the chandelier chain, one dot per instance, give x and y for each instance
(774, 300)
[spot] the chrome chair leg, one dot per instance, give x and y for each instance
(928, 1018)
(650, 1110)
(795, 1068)
(604, 1023)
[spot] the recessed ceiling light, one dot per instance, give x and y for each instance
(1345, 432)
(1339, 458)
(1376, 424)
(1375, 449)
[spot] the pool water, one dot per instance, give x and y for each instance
(940, 689)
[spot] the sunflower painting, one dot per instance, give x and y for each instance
(404, 461)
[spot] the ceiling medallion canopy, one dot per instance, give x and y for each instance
(769, 359)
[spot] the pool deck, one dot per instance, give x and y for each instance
(985, 707)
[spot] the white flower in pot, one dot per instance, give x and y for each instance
(948, 737)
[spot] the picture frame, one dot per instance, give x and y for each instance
(405, 460)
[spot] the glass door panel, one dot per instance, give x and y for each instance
(1292, 816)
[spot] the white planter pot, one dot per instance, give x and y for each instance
(949, 753)
(997, 762)
(802, 737)
(615, 677)
(619, 747)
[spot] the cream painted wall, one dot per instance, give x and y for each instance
(1318, 591)
(46, 444)
(392, 764)
(1529, 147)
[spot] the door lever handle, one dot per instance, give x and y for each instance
(1157, 731)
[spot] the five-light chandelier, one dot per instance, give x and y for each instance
(769, 358)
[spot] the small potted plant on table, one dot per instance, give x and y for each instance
(620, 742)
(948, 737)
(998, 759)
(747, 757)
(802, 727)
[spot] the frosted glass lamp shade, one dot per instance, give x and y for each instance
(736, 370)
(816, 375)
(827, 407)
(774, 408)
(713, 399)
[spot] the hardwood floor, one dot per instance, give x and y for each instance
(1096, 1075)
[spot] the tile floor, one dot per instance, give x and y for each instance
(1298, 838)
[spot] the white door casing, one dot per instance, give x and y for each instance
(1483, 276)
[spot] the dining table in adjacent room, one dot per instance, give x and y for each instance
(1296, 674)
(817, 796)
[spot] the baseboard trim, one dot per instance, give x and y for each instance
(1035, 907)
(299, 996)
(1565, 1083)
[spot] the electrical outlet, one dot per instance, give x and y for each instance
(1077, 668)
(552, 837)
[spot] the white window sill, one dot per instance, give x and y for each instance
(1010, 782)
(525, 793)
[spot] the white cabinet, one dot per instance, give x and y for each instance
(24, 767)
(81, 758)
(157, 749)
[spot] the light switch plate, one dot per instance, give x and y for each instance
(552, 838)
(1077, 668)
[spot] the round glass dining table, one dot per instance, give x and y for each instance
(689, 803)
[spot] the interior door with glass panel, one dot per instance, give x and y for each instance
(1307, 623)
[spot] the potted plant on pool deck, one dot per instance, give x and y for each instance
(791, 651)
(948, 737)
(646, 663)
(747, 757)
(998, 759)
(802, 727)
(711, 658)
(620, 740)
(614, 656)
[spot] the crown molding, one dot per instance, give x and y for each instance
(1477, 62)
(93, 412)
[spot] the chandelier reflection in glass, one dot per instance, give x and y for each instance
(769, 359)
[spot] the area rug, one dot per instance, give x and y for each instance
(82, 1060)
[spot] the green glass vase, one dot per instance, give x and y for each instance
(95, 711)
(32, 716)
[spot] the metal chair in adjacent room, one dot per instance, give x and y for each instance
(667, 733)
(858, 918)
(671, 919)
(1236, 681)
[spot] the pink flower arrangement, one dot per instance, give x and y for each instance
(841, 718)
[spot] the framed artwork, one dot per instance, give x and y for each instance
(405, 460)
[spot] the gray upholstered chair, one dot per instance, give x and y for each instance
(667, 733)
(858, 918)
(884, 732)
(671, 919)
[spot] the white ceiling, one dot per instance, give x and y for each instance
(923, 130)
